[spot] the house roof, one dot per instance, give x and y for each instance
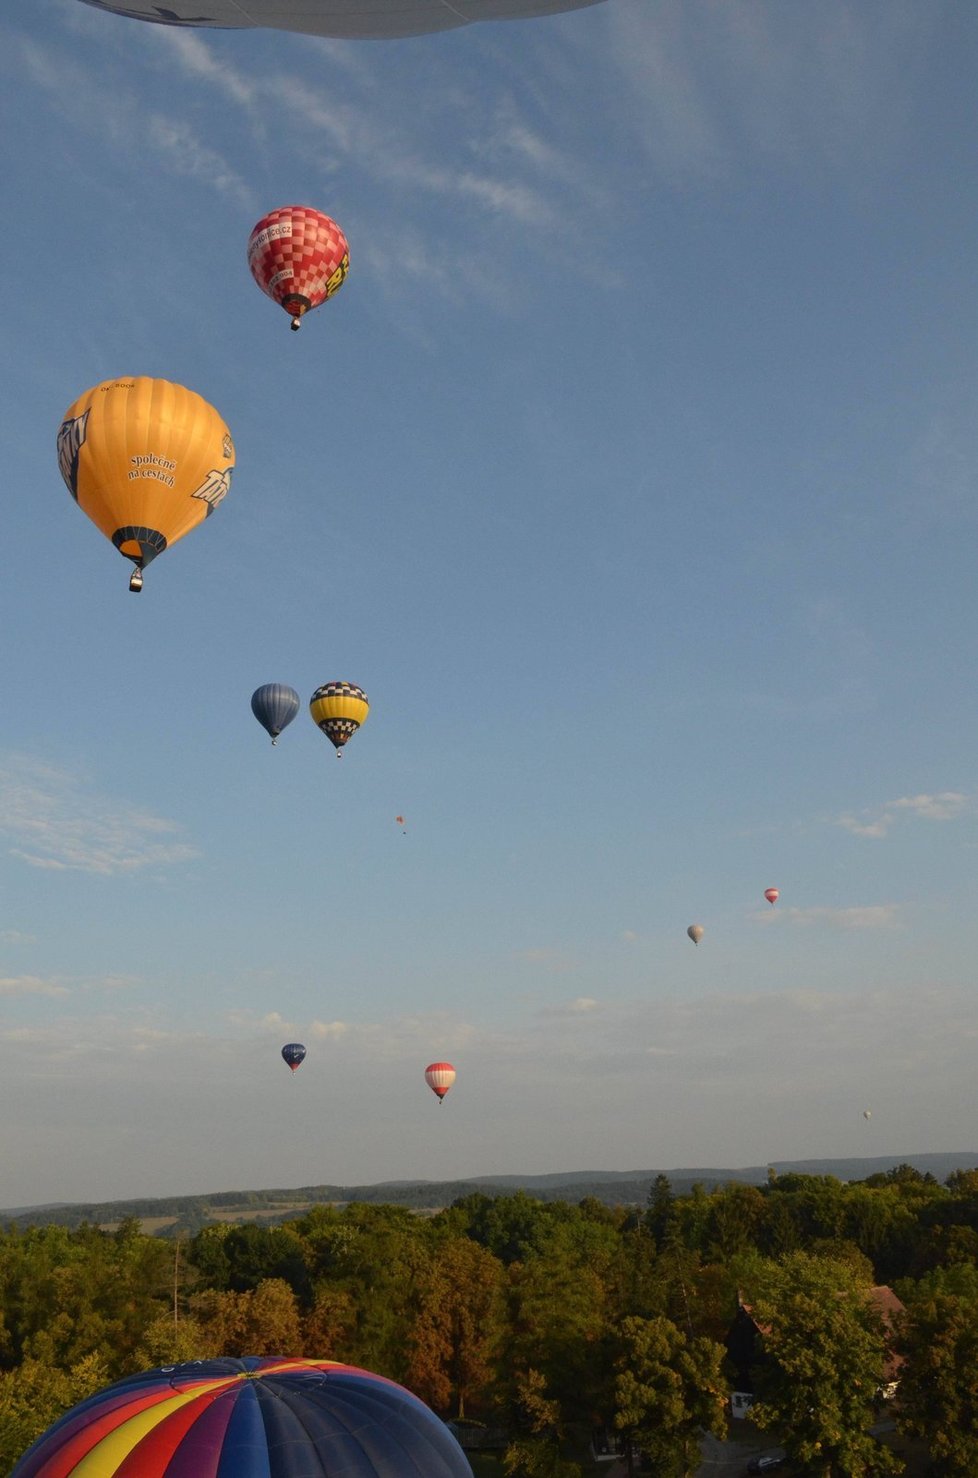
(887, 1305)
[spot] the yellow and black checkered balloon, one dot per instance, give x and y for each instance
(339, 709)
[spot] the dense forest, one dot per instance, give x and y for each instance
(538, 1322)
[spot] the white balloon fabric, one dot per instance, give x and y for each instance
(352, 20)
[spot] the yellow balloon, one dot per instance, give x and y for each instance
(147, 461)
(339, 709)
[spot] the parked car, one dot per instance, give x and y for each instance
(766, 1463)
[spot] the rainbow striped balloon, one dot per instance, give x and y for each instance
(248, 1418)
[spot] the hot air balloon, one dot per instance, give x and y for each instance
(400, 822)
(867, 1113)
(439, 1076)
(339, 709)
(147, 461)
(772, 895)
(299, 257)
(294, 1054)
(275, 706)
(696, 932)
(253, 1418)
(350, 19)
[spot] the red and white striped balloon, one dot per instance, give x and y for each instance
(772, 895)
(439, 1076)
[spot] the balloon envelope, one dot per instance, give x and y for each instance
(439, 1076)
(339, 709)
(253, 1418)
(275, 706)
(298, 257)
(696, 932)
(772, 895)
(354, 19)
(293, 1053)
(146, 460)
(867, 1113)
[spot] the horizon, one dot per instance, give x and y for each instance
(573, 1178)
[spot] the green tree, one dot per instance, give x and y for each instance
(825, 1354)
(667, 1388)
(165, 1342)
(537, 1453)
(659, 1210)
(69, 1294)
(736, 1215)
(376, 1257)
(939, 1380)
(560, 1315)
(36, 1395)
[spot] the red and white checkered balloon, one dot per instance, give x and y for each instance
(299, 257)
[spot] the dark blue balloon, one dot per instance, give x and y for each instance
(275, 706)
(293, 1052)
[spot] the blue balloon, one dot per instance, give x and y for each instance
(293, 1052)
(275, 706)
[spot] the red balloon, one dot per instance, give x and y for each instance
(299, 257)
(772, 895)
(439, 1076)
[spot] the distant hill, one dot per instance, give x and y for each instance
(170, 1215)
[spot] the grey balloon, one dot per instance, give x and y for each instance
(696, 932)
(353, 20)
(275, 706)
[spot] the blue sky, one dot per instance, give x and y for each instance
(632, 474)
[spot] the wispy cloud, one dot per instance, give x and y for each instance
(180, 150)
(945, 805)
(580, 1006)
(709, 97)
(116, 116)
(202, 64)
(15, 936)
(57, 823)
(30, 985)
(872, 916)
(329, 1031)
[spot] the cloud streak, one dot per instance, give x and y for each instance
(872, 916)
(30, 985)
(57, 824)
(710, 90)
(945, 805)
(116, 116)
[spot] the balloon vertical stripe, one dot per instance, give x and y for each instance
(248, 1418)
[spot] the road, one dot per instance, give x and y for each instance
(728, 1459)
(720, 1459)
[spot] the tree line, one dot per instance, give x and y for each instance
(546, 1320)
